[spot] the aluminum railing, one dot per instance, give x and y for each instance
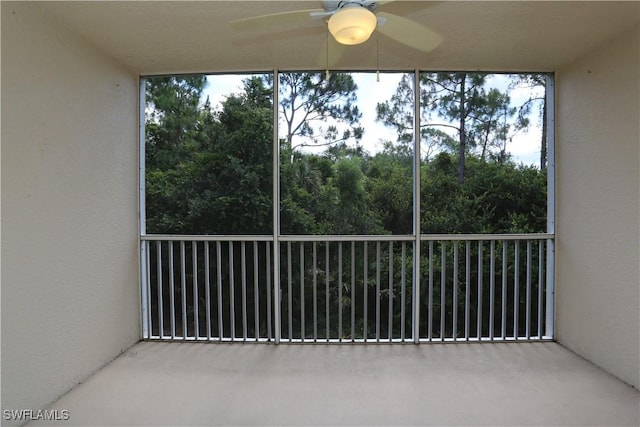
(207, 288)
(350, 289)
(478, 287)
(346, 289)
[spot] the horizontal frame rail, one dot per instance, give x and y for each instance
(206, 238)
(465, 237)
(344, 237)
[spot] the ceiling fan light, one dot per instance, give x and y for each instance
(352, 25)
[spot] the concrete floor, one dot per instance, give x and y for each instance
(510, 384)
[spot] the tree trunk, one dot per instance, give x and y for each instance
(543, 139)
(463, 132)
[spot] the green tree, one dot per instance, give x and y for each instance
(352, 213)
(455, 96)
(535, 83)
(390, 178)
(224, 184)
(173, 134)
(496, 197)
(302, 180)
(397, 113)
(235, 174)
(318, 111)
(490, 127)
(173, 116)
(456, 102)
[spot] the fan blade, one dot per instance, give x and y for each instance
(274, 19)
(409, 32)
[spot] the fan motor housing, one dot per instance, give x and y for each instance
(333, 5)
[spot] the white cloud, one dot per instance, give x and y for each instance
(219, 87)
(525, 147)
(370, 93)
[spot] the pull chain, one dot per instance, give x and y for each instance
(327, 70)
(377, 57)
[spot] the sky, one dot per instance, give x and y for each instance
(525, 146)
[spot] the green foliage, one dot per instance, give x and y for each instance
(216, 178)
(173, 119)
(390, 184)
(457, 115)
(318, 111)
(495, 197)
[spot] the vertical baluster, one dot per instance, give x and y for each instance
(256, 294)
(232, 289)
(267, 246)
(549, 323)
(315, 292)
(219, 289)
(528, 294)
(172, 302)
(365, 280)
(353, 291)
(183, 288)
(327, 292)
(207, 289)
(516, 293)
(339, 291)
(480, 273)
(455, 291)
(430, 302)
(467, 290)
(145, 290)
(147, 246)
(492, 288)
(403, 291)
(390, 314)
(504, 290)
(159, 273)
(443, 279)
(454, 303)
(243, 267)
(540, 284)
(148, 285)
(289, 291)
(302, 322)
(378, 291)
(194, 259)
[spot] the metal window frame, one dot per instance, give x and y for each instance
(416, 237)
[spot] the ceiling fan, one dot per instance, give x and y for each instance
(352, 22)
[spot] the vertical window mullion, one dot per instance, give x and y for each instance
(416, 207)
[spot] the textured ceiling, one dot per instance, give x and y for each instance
(185, 36)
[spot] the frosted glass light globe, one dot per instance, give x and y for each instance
(352, 25)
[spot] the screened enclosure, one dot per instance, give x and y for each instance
(348, 207)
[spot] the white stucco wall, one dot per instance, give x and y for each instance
(70, 293)
(598, 288)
